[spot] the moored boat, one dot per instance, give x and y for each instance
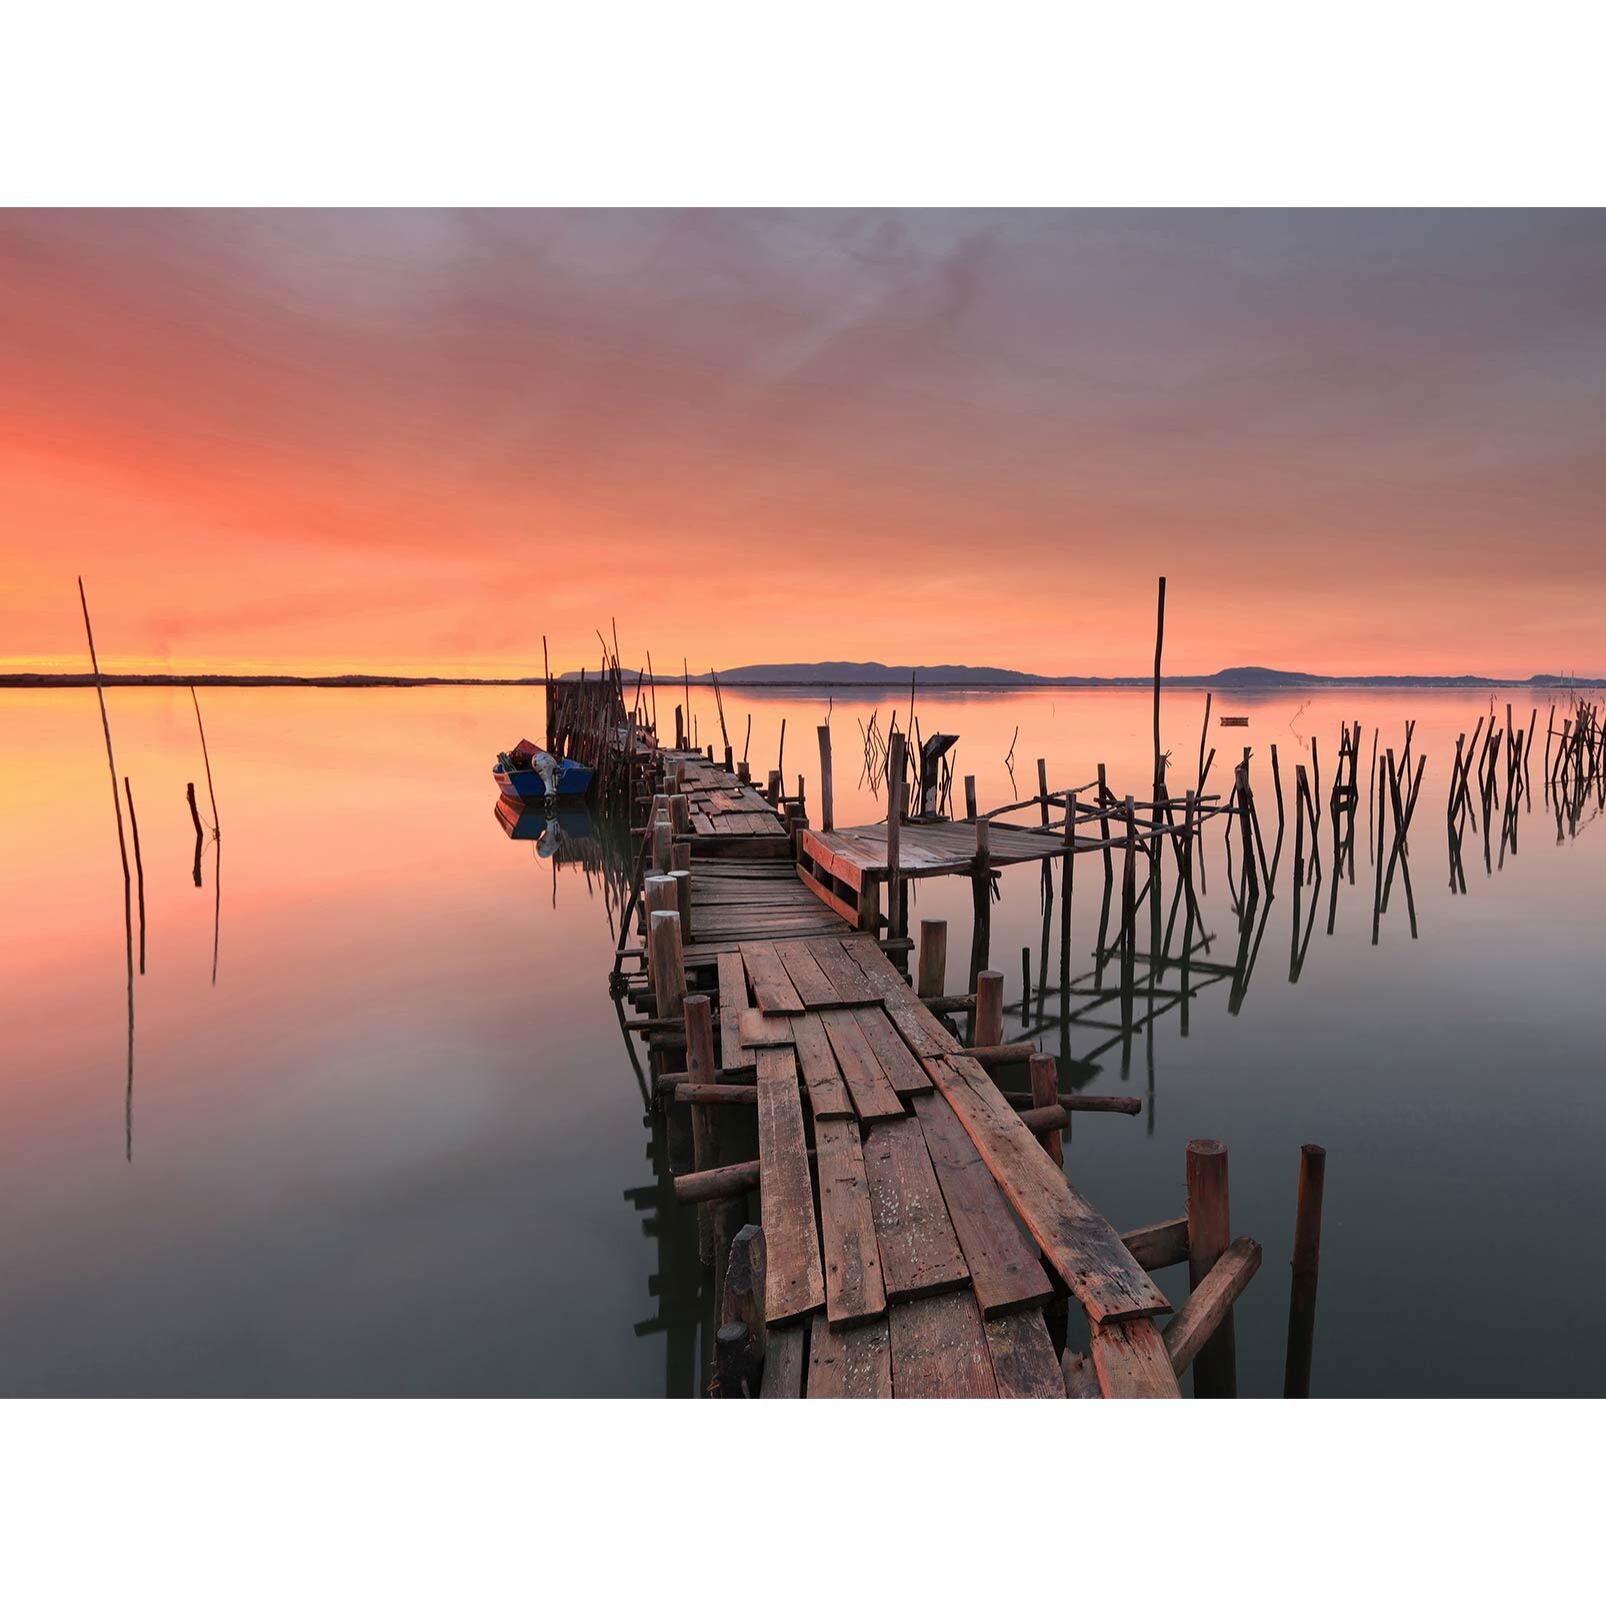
(529, 772)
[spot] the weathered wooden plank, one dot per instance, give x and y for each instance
(939, 1351)
(1165, 1243)
(1004, 1269)
(783, 1363)
(853, 1363)
(903, 1070)
(1081, 1245)
(854, 1291)
(772, 987)
(846, 977)
(918, 1027)
(1203, 1310)
(837, 905)
(920, 1251)
(1025, 1366)
(874, 1097)
(828, 1094)
(813, 985)
(1131, 1361)
(794, 1281)
(732, 1001)
(755, 1029)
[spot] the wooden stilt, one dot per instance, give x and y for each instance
(1215, 1370)
(1306, 1264)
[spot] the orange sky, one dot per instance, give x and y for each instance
(417, 441)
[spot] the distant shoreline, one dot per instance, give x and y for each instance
(1237, 682)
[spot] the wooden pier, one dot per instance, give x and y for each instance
(916, 1234)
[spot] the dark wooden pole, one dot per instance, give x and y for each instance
(827, 807)
(1159, 645)
(1209, 1232)
(139, 869)
(932, 969)
(895, 783)
(1307, 1259)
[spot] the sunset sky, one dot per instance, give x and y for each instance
(417, 441)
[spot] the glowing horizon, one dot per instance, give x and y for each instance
(413, 443)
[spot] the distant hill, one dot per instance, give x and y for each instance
(837, 672)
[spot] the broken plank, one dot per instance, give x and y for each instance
(902, 1069)
(772, 987)
(852, 1364)
(1131, 1362)
(755, 1029)
(828, 1094)
(1004, 1269)
(939, 1351)
(1025, 1366)
(1080, 1244)
(732, 1000)
(794, 1283)
(872, 1093)
(920, 1251)
(853, 1288)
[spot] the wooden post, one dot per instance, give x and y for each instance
(933, 962)
(827, 804)
(1026, 986)
(680, 813)
(733, 1360)
(742, 1299)
(680, 857)
(680, 727)
(700, 1068)
(658, 892)
(743, 773)
(970, 797)
(1307, 1258)
(682, 881)
(663, 844)
(1067, 885)
(1046, 1095)
(896, 760)
(1215, 1371)
(1042, 792)
(981, 897)
(989, 1008)
(1159, 644)
(667, 961)
(772, 787)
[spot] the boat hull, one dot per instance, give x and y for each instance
(523, 786)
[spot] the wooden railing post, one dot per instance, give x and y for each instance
(895, 778)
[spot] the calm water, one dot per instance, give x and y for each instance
(397, 1145)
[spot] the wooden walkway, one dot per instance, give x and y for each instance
(916, 1230)
(846, 868)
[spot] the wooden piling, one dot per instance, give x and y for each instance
(663, 843)
(682, 883)
(981, 897)
(1159, 645)
(1306, 1264)
(896, 761)
(139, 869)
(1042, 791)
(1046, 1095)
(666, 960)
(742, 1299)
(932, 968)
(1209, 1233)
(970, 797)
(827, 809)
(700, 1071)
(989, 1029)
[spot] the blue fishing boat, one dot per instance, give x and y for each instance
(530, 772)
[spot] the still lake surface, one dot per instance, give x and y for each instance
(396, 1145)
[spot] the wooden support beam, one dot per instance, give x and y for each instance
(1210, 1303)
(932, 969)
(989, 1008)
(1046, 1096)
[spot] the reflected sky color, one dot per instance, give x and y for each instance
(399, 1148)
(418, 441)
